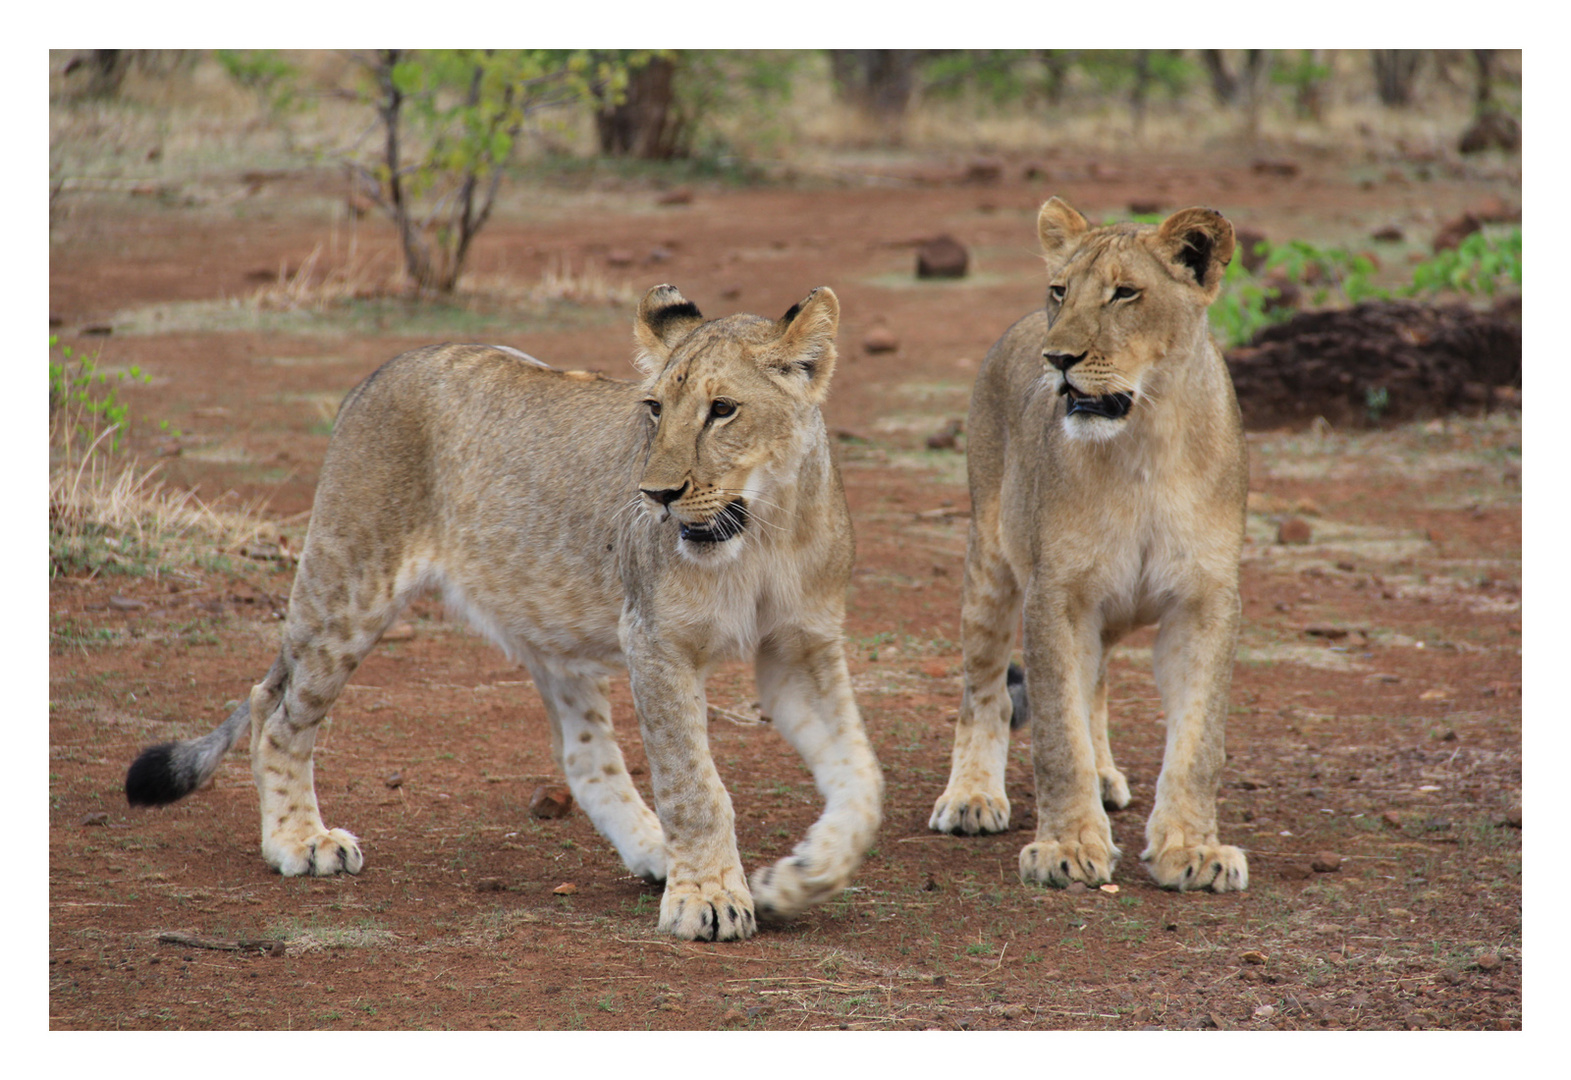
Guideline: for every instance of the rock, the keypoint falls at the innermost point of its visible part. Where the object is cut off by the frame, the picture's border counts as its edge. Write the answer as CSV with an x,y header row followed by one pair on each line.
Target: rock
x,y
1285,169
1295,872
880,339
1453,232
1294,530
1265,1012
1330,633
733,1016
550,801
490,884
1110,889
1014,1012
1253,956
680,196
942,257
1391,234
1326,862
1077,887
1493,130
1145,206
567,888
1488,961
984,171
1392,818
947,438
395,779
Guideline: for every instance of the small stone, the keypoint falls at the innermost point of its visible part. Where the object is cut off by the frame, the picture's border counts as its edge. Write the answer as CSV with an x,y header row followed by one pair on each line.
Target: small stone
x,y
1392,818
1389,234
1014,1012
1326,862
1488,961
490,884
567,888
984,171
1077,887
550,802
1294,530
1265,1012
99,818
394,780
733,1016
948,438
1455,231
1111,890
1253,956
1295,872
880,339
942,257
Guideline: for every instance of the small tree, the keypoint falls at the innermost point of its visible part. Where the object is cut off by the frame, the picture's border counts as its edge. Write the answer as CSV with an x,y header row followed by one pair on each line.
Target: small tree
x,y
450,122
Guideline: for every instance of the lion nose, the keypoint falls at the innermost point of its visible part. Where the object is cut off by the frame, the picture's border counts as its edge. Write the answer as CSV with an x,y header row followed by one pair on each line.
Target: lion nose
x,y
665,496
1061,360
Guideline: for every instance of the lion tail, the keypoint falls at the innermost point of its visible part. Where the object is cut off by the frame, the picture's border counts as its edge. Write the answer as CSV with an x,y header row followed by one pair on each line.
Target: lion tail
x,y
1020,705
169,771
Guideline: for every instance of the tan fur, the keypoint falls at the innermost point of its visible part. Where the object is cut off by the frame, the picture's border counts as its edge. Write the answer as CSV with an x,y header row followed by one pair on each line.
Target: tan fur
x,y
1092,526
532,499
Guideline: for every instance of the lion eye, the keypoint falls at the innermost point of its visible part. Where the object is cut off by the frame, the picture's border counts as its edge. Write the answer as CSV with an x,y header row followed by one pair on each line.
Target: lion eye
x,y
654,408
722,409
1057,293
1124,292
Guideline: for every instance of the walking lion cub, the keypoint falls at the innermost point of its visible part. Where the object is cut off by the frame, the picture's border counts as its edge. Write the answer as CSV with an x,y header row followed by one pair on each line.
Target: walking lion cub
x,y
583,523
1108,480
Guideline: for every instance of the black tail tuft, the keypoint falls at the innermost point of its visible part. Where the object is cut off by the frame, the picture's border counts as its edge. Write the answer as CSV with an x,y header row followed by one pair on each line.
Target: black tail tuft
x,y
1015,681
157,777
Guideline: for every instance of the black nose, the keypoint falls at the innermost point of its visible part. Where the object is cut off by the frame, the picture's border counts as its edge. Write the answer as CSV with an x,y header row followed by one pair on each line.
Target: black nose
x,y
666,496
1061,360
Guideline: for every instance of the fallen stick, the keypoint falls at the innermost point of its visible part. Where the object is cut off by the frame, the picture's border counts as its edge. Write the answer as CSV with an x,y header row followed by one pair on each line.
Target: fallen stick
x,y
270,946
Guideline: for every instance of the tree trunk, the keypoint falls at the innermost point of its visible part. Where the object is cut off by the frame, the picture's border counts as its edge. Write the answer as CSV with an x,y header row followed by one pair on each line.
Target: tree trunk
x,y
1395,72
878,83
647,124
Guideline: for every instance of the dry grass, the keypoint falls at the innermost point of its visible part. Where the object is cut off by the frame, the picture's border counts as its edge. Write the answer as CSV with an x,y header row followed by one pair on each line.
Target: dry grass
x,y
110,513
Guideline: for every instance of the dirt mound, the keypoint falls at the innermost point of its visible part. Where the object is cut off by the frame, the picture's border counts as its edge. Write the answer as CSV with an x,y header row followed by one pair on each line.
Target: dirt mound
x,y
1380,362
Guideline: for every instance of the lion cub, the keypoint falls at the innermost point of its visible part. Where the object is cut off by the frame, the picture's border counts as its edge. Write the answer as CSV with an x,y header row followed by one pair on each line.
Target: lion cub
x,y
581,524
1108,479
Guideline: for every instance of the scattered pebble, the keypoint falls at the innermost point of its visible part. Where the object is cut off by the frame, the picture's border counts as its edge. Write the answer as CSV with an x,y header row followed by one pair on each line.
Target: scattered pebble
x,y
1392,818
1014,1012
880,339
567,888
1294,530
733,1016
1265,1012
1111,890
490,884
394,780
550,802
1326,862
1488,961
1253,956
1077,887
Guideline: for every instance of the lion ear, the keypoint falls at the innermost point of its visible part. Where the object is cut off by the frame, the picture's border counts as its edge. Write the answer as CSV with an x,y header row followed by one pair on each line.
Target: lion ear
x,y
1059,227
805,350
664,318
1198,243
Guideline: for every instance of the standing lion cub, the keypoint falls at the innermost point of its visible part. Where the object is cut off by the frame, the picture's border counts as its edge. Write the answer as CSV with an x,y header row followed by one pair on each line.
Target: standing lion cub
x,y
1108,480
583,523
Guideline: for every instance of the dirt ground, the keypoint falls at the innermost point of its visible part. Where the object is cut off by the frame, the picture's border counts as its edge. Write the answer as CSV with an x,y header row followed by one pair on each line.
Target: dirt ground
x,y
1375,741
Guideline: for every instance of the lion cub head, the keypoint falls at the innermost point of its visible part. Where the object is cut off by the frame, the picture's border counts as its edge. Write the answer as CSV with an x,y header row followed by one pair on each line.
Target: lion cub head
x,y
732,408
1122,300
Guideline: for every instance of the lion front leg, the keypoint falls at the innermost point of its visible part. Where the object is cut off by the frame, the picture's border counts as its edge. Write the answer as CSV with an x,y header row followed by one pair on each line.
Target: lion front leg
x,y
1193,661
1074,839
805,690
974,800
706,896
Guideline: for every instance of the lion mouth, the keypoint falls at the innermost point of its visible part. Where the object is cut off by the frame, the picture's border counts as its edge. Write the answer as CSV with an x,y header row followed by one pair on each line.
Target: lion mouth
x,y
729,522
1112,406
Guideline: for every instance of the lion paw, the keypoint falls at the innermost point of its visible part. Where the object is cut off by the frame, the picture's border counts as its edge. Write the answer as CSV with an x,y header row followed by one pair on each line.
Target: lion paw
x,y
707,911
970,812
789,888
1217,867
1057,863
1115,789
323,854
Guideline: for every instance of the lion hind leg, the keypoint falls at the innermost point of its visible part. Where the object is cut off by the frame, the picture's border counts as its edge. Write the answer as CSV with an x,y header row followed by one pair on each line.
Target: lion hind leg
x,y
805,690
585,747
